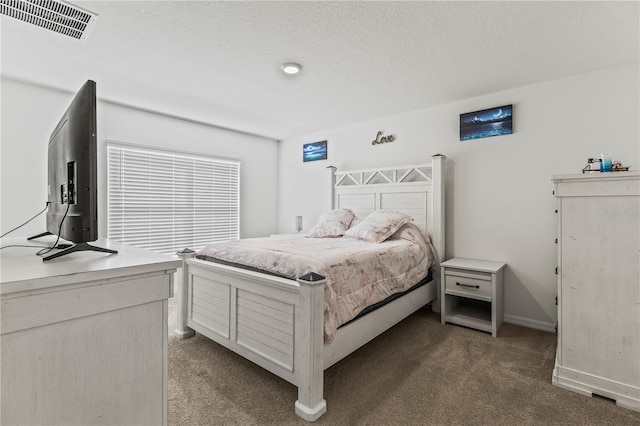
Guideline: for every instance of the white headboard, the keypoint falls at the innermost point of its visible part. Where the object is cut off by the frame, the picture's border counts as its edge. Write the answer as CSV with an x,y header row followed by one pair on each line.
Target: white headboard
x,y
416,190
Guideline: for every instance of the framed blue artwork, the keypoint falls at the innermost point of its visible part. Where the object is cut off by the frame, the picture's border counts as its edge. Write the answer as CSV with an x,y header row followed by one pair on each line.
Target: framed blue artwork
x,y
314,151
486,123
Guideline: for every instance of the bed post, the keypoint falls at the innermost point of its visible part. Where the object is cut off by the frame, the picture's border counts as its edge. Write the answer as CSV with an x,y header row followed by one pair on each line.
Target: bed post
x,y
182,331
438,231
438,203
332,170
309,338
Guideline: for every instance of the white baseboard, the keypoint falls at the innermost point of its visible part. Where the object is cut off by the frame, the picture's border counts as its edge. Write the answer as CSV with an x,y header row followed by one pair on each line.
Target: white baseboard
x,y
531,323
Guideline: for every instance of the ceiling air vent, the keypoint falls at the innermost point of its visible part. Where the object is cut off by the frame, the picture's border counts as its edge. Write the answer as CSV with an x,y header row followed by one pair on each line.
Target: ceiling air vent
x,y
54,15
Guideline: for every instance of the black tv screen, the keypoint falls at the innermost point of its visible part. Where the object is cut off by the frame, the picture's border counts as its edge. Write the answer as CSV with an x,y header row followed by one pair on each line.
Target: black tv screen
x,y
73,177
72,171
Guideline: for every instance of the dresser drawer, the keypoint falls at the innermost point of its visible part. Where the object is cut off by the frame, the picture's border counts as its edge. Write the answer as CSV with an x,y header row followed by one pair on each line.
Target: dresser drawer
x,y
476,286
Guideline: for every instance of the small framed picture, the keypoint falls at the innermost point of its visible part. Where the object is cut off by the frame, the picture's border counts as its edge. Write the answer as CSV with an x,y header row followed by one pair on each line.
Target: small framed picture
x,y
486,123
314,151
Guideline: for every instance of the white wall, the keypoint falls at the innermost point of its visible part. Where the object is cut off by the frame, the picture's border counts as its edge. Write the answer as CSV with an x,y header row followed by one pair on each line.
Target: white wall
x,y
499,195
29,114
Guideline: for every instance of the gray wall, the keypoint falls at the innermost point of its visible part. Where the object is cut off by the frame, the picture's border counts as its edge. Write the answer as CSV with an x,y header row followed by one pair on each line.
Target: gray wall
x,y
499,195
30,113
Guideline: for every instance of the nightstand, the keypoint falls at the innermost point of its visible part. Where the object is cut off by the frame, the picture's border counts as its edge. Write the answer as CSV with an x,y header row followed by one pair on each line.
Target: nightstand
x,y
472,294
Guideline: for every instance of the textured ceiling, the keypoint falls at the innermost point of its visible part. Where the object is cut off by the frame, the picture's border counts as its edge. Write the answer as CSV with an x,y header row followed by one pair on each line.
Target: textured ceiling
x,y
219,62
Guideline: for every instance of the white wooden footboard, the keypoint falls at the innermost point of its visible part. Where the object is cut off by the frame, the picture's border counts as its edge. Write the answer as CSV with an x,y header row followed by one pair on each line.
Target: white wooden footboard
x,y
274,322
279,323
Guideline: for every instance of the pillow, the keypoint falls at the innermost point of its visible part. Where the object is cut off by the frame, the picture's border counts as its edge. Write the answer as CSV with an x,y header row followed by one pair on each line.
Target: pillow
x,y
356,220
378,226
344,216
411,232
327,229
332,224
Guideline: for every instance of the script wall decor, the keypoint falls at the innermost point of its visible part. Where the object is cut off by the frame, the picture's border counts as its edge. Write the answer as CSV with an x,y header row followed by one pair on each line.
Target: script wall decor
x,y
382,139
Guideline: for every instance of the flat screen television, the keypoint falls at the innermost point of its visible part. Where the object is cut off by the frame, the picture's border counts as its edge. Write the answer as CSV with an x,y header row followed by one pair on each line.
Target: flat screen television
x,y
72,176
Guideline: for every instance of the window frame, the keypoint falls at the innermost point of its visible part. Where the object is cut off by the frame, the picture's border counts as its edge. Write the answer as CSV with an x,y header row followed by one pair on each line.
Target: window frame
x,y
169,170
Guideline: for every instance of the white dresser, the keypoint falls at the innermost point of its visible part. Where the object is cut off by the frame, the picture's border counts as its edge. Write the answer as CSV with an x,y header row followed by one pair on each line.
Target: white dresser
x,y
599,285
84,336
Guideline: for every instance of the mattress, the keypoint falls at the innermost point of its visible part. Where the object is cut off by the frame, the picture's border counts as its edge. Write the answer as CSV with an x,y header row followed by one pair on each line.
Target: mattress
x,y
359,273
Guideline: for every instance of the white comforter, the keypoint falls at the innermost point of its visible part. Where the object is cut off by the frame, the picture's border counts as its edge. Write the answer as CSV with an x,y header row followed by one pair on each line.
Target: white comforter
x,y
358,273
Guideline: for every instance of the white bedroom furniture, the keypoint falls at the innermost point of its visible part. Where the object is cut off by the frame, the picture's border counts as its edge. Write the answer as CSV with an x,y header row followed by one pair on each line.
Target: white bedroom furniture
x,y
473,294
84,337
599,285
214,296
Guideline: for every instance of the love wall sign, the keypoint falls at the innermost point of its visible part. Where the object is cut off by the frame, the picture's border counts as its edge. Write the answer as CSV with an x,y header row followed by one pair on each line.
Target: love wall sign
x,y
382,139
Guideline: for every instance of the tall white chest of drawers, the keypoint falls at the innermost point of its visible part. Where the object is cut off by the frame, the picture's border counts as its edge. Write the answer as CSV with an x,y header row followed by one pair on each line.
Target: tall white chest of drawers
x,y
599,285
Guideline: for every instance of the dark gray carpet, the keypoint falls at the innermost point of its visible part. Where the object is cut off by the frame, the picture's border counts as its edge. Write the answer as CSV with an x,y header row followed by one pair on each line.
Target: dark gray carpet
x,y
418,373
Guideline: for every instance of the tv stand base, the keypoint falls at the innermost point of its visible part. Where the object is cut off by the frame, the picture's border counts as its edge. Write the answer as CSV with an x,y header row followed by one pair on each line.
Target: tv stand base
x,y
44,234
79,247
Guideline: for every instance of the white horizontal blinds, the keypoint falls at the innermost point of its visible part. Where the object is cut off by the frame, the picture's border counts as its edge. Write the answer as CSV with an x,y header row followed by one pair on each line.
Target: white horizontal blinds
x,y
167,201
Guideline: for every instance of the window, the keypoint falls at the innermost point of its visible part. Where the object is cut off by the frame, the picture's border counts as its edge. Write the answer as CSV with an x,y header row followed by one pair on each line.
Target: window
x,y
167,201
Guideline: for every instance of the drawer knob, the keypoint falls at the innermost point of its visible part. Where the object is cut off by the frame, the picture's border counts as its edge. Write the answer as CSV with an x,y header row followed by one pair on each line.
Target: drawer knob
x,y
467,285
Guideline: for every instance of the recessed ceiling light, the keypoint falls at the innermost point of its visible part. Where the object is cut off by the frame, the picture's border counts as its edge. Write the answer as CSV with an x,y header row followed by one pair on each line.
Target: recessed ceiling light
x,y
291,68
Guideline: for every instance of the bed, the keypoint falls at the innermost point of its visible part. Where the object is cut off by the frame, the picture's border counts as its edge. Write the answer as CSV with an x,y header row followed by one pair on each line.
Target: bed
x,y
295,346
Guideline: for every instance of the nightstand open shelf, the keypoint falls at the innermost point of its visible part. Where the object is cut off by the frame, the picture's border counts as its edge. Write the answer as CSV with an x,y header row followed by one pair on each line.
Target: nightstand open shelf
x,y
472,294
476,315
